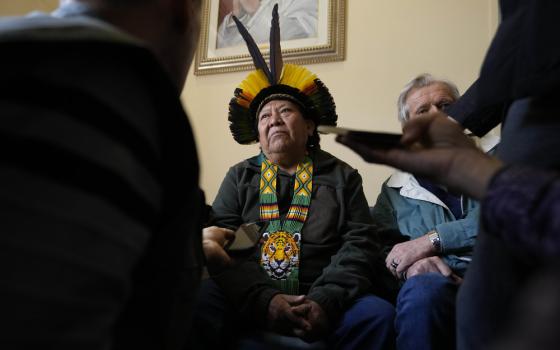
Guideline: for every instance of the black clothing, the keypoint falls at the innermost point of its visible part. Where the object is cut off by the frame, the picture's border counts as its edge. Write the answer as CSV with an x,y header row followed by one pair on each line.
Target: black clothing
x,y
100,209
520,75
523,60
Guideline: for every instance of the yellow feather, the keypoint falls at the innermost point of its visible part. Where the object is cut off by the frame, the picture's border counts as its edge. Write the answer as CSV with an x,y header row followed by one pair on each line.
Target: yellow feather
x,y
297,76
289,74
254,83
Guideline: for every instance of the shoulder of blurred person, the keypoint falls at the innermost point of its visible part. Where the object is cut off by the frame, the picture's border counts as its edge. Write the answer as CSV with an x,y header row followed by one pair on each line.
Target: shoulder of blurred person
x,y
105,149
520,62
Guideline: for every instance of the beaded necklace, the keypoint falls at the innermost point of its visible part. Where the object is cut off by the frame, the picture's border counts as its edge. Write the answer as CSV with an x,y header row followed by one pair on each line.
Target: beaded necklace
x,y
280,252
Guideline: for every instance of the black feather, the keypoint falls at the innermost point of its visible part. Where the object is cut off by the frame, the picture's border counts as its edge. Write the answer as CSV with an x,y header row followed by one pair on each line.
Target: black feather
x,y
275,49
258,58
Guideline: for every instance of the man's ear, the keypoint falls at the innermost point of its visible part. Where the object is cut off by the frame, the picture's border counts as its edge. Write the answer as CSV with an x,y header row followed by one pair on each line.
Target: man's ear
x,y
310,126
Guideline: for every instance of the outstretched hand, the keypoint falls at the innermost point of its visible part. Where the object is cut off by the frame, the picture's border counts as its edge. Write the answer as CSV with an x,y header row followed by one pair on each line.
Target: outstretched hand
x,y
213,240
437,148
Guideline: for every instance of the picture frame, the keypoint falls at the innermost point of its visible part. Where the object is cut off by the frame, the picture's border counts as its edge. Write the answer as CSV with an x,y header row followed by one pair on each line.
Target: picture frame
x,y
320,38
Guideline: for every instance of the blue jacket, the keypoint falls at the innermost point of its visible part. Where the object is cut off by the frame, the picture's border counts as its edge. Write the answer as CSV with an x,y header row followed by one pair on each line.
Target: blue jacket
x,y
405,205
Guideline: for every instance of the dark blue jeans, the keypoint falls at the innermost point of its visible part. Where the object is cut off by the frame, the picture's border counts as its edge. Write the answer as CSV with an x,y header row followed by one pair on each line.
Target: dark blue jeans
x,y
368,324
426,313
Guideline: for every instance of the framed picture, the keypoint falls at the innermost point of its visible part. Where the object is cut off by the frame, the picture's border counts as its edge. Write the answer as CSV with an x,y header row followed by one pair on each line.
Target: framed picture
x,y
311,31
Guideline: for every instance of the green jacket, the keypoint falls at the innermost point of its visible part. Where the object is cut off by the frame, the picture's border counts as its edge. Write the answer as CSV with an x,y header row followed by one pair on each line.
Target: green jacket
x,y
339,251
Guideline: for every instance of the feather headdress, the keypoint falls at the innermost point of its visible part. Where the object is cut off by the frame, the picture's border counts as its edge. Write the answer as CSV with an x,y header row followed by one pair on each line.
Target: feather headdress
x,y
278,81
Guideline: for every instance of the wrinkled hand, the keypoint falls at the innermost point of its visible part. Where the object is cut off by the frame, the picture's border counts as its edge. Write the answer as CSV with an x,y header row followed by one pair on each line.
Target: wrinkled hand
x,y
403,255
213,240
317,318
437,148
281,316
432,264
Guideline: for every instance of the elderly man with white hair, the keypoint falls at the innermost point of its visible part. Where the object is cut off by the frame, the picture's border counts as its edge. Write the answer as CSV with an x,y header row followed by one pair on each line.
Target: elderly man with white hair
x,y
441,227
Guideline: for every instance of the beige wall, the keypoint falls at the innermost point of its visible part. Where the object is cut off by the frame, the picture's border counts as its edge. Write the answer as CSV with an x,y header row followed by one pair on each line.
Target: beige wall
x,y
388,42
18,7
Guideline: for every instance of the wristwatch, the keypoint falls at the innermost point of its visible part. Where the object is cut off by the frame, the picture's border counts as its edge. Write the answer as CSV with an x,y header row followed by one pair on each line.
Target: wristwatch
x,y
433,236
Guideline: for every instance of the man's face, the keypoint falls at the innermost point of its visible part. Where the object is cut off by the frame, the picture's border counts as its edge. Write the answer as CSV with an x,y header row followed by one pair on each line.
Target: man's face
x,y
428,99
282,128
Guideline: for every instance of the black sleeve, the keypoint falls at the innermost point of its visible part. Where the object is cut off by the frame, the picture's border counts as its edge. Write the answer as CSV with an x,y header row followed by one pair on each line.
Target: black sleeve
x,y
479,119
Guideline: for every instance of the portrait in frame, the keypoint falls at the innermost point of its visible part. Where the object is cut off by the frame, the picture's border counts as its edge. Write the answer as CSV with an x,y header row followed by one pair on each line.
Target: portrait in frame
x,y
311,31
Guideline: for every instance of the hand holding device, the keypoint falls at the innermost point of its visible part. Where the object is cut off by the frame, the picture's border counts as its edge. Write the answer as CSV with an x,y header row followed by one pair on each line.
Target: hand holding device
x,y
376,140
246,237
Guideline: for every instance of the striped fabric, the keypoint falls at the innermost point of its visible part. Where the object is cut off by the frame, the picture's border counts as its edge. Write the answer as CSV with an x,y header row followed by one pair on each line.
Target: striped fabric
x,y
97,163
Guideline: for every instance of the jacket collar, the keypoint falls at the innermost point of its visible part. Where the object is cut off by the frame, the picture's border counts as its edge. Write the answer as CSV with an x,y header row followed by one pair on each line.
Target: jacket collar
x,y
410,188
321,160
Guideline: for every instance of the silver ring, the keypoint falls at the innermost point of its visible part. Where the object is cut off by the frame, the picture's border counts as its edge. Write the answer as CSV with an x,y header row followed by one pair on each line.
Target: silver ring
x,y
394,264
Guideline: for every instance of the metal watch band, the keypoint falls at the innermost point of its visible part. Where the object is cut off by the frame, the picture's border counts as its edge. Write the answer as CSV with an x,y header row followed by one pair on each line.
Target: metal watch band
x,y
435,240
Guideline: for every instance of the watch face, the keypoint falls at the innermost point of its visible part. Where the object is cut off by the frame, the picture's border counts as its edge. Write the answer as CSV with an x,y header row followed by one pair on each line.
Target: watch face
x,y
434,239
